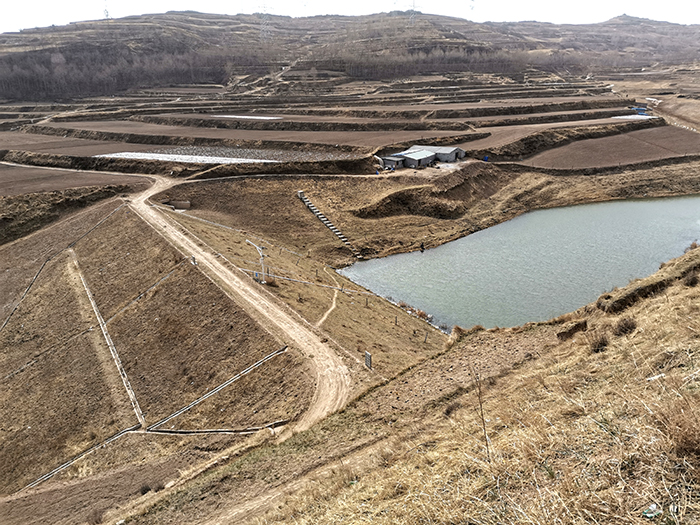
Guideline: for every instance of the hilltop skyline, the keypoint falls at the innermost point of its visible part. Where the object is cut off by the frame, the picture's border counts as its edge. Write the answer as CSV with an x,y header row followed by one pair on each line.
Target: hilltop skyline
x,y
20,16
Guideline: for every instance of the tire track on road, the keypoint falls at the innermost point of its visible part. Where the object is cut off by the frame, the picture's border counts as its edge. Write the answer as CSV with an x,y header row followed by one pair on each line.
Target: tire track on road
x,y
333,378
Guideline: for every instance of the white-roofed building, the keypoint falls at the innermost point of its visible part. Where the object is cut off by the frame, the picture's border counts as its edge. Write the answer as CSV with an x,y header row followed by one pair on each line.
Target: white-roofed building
x,y
417,158
443,153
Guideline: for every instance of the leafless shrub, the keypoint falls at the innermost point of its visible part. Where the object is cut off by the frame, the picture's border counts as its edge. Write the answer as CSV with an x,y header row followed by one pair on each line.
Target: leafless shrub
x,y
452,408
598,342
691,279
95,517
692,246
625,326
422,315
145,489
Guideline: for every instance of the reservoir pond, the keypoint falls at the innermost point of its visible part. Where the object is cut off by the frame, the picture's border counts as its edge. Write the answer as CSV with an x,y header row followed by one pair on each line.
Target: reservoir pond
x,y
537,266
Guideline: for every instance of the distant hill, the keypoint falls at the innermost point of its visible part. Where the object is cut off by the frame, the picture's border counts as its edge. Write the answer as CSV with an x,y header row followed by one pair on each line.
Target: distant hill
x,y
109,56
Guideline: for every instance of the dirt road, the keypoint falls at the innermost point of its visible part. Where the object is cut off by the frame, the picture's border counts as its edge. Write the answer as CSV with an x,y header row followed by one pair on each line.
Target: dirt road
x,y
332,377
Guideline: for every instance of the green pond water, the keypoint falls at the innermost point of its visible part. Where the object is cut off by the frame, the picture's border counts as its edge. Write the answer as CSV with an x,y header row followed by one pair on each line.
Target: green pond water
x,y
536,266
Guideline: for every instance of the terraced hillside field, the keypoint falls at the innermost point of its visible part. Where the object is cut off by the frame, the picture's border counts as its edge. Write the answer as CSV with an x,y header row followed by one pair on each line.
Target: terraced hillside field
x,y
131,320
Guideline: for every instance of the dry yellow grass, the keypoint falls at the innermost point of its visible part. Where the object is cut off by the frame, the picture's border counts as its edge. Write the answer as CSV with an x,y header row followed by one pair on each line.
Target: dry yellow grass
x,y
352,318
574,437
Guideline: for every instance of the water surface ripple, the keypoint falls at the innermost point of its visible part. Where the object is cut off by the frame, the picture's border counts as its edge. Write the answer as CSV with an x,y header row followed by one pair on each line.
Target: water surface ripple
x,y
539,265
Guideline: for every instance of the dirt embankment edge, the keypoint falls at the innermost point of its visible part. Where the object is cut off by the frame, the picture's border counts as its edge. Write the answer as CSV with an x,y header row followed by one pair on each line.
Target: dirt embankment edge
x,y
176,140
176,169
21,215
552,138
291,125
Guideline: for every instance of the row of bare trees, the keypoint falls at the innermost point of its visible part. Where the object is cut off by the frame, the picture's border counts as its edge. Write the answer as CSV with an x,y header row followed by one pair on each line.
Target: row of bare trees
x,y
87,70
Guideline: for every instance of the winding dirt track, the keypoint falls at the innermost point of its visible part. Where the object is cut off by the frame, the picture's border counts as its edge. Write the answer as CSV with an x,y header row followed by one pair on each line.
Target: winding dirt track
x,y
332,377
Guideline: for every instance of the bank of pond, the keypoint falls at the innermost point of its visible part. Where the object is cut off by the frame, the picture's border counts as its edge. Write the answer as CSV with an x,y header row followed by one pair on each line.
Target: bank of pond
x,y
539,265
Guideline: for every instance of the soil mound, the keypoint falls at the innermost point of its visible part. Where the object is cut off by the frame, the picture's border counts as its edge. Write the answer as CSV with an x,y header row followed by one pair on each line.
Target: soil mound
x,y
446,198
21,215
684,267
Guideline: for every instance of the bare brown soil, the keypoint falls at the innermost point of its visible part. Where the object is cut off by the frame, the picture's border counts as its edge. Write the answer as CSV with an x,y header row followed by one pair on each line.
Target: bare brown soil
x,y
298,123
23,258
503,135
636,146
53,359
473,109
21,215
551,138
57,144
358,139
19,180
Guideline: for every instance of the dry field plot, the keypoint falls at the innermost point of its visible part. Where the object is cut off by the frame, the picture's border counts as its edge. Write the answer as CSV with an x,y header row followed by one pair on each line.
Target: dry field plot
x,y
363,139
503,135
51,313
60,390
277,391
19,180
61,146
122,259
184,338
635,146
418,104
20,260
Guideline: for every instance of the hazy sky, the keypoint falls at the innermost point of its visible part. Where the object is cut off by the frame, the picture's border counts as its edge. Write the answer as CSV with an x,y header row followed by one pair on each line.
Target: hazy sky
x,y
16,15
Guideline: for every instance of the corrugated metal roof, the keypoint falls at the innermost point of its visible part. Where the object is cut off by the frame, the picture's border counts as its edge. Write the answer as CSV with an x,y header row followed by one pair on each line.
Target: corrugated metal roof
x,y
416,155
435,149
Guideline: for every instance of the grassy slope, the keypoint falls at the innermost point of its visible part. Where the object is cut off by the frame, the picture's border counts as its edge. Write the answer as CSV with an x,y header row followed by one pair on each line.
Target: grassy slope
x,y
53,359
574,436
566,384
357,323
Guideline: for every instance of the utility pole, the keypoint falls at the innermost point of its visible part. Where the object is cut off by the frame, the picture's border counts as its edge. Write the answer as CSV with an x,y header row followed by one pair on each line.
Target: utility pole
x,y
262,259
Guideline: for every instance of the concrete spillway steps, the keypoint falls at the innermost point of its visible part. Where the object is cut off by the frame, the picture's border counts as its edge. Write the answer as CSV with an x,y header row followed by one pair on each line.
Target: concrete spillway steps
x,y
328,224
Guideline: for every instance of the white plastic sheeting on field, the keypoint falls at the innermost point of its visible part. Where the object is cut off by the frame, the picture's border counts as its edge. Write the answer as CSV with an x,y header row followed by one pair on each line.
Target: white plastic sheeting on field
x,y
199,159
